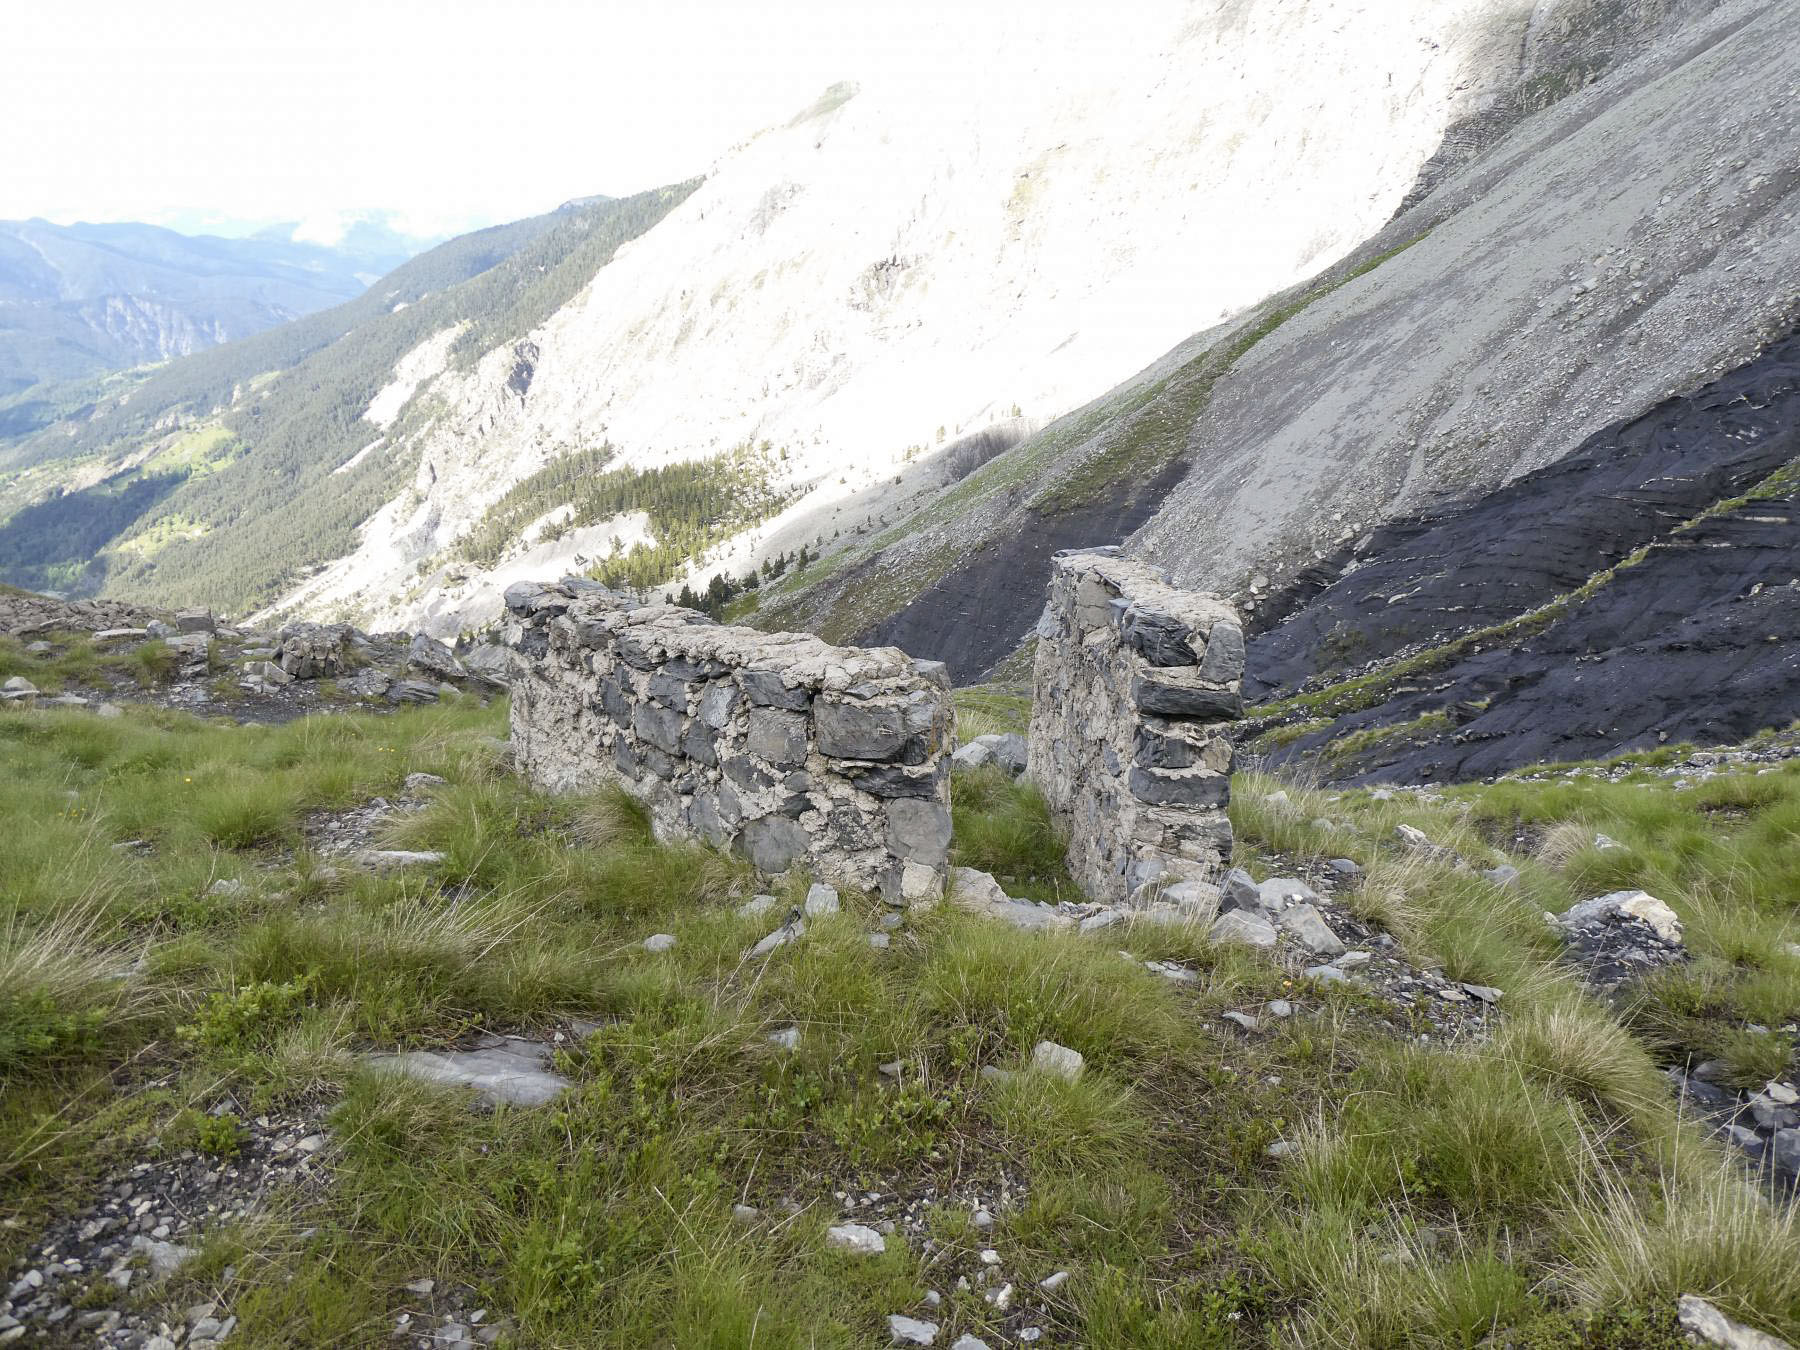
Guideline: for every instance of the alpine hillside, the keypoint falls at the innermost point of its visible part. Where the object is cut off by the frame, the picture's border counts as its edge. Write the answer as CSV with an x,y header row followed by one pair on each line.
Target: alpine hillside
x,y
849,295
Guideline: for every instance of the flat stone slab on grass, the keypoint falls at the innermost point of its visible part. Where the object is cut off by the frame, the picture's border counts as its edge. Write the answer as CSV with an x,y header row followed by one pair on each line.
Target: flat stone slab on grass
x,y
855,1237
1058,1060
977,892
911,1331
392,859
504,1069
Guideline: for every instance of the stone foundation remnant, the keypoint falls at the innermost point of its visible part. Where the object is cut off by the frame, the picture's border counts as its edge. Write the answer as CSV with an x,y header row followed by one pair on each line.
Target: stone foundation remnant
x,y
780,746
1137,684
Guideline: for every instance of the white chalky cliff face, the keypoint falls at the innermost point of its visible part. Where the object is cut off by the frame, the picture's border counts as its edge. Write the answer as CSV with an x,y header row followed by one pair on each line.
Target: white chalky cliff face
x,y
911,261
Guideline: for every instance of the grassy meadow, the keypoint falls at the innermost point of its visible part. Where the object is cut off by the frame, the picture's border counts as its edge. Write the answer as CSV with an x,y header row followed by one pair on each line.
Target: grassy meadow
x,y
1535,1188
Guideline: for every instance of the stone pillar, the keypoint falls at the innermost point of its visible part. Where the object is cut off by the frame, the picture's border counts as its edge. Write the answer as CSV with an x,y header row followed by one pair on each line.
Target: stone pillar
x,y
1137,685
779,746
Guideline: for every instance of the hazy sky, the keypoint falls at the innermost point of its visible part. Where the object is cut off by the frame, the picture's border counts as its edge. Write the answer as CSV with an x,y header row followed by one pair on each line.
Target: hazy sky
x,y
454,112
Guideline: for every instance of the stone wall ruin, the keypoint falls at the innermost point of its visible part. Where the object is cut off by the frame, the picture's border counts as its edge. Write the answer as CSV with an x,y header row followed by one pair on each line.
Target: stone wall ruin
x,y
1136,683
787,750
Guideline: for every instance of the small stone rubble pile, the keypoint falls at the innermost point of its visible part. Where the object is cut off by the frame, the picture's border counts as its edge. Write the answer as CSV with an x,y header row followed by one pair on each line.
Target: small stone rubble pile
x,y
26,615
1762,1123
792,752
83,1283
1299,922
1619,937
355,832
447,1318
1136,685
1022,1301
396,667
1765,754
252,675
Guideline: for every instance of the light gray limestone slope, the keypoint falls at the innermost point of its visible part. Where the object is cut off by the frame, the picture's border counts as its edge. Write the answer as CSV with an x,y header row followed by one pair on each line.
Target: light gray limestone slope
x,y
923,259
1633,240
1639,238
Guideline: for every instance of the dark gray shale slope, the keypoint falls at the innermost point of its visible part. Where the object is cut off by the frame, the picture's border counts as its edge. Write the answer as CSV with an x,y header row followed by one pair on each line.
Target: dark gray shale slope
x,y
1638,239
1653,583
1420,582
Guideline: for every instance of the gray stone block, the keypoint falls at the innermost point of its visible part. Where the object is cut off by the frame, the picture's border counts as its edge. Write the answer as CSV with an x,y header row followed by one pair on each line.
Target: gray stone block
x,y
918,831
719,704
859,730
672,691
704,819
744,772
778,737
772,843
766,689
615,702
658,726
1224,659
935,673
1161,639
897,780
1194,701
697,743
1192,787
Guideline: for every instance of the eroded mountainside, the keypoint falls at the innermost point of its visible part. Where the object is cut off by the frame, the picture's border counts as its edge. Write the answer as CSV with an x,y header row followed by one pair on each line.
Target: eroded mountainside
x,y
850,344
897,270
1634,241
1644,590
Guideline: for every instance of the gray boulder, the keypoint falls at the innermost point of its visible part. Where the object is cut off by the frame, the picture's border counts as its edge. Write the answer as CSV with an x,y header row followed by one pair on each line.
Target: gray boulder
x,y
1057,1060
491,664
503,1069
1308,925
1237,925
971,756
1238,891
1010,751
1277,893
1706,1323
911,1331
855,1237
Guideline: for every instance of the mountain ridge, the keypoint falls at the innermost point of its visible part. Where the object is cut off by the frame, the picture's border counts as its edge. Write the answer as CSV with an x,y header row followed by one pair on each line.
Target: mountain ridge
x,y
82,299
